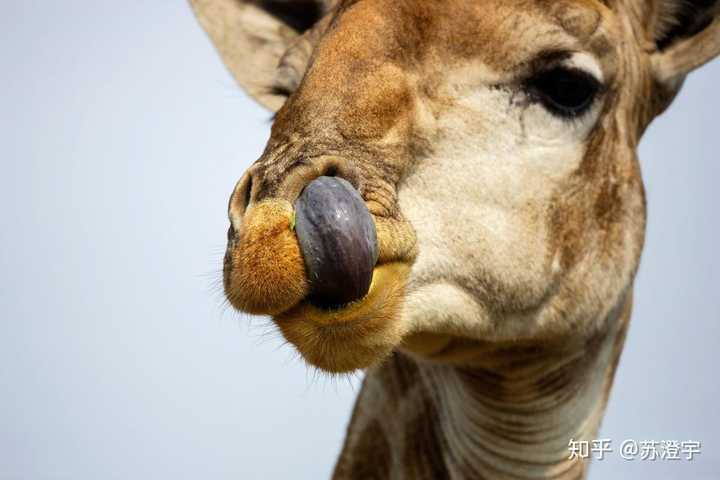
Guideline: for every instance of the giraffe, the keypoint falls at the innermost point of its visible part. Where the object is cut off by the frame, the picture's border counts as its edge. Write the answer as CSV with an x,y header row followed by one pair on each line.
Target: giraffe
x,y
494,145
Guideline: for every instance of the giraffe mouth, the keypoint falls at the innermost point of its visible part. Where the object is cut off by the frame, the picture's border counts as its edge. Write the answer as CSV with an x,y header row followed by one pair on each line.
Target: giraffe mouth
x,y
355,336
265,273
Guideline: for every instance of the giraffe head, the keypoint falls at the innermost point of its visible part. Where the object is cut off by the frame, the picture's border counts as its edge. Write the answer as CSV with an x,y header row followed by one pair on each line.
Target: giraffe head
x,y
492,141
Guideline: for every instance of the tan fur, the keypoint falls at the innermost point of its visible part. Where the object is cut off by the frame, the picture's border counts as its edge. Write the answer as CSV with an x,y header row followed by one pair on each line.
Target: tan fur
x,y
265,272
508,238
362,333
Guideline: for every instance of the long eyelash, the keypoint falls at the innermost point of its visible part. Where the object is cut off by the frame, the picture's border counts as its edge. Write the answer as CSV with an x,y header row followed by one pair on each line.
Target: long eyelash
x,y
547,60
597,84
550,59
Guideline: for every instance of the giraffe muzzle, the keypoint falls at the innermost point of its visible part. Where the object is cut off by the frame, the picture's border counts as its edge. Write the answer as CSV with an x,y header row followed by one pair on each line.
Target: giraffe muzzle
x,y
325,262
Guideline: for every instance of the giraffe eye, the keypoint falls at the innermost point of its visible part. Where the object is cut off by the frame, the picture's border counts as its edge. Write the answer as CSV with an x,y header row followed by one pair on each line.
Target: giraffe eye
x,y
565,92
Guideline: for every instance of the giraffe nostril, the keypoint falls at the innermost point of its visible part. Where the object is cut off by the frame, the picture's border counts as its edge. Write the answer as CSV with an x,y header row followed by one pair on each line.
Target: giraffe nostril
x,y
248,191
338,241
240,199
332,171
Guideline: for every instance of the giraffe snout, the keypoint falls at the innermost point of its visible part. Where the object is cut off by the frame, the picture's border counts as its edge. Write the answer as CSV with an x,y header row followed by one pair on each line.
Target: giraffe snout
x,y
263,271
323,247
329,264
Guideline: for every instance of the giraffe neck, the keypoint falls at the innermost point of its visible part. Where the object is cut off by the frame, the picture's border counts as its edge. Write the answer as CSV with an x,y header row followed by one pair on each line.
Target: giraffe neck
x,y
508,413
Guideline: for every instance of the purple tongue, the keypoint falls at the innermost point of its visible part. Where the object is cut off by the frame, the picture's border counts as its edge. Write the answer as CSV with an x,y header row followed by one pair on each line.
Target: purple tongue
x,y
338,241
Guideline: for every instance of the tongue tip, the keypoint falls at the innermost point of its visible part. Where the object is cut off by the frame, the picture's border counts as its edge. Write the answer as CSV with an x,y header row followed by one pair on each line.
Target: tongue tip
x,y
338,240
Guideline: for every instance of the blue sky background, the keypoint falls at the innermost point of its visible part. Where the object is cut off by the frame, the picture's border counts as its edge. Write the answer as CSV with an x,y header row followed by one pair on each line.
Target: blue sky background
x,y
122,136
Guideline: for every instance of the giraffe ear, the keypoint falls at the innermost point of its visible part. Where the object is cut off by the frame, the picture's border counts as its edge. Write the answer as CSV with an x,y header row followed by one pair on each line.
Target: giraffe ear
x,y
252,36
687,35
